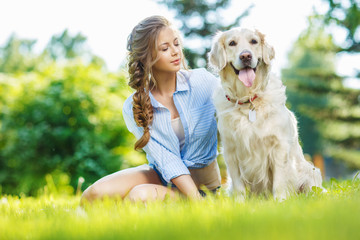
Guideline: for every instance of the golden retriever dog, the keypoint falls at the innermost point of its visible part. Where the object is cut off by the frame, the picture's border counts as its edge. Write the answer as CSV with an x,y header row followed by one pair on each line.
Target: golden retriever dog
x,y
259,134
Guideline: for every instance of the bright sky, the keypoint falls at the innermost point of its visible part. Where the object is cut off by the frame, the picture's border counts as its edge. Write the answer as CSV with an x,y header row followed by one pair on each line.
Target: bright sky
x,y
107,23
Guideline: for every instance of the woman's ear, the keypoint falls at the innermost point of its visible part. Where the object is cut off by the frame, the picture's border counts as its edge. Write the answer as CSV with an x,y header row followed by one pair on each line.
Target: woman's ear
x,y
268,52
217,55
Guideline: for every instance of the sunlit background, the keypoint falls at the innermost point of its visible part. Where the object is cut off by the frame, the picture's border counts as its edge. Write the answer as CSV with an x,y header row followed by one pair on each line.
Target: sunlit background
x,y
106,24
61,97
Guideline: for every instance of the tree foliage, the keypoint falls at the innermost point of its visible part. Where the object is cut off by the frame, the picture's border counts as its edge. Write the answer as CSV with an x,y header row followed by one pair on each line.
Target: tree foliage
x,y
17,56
200,21
60,119
346,14
328,112
66,46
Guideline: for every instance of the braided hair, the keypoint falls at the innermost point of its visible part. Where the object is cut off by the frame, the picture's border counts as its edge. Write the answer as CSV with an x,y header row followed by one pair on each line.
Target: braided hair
x,y
141,45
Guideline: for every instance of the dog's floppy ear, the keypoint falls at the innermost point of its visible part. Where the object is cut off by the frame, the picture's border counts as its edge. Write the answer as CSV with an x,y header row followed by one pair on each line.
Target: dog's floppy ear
x,y
268,52
217,55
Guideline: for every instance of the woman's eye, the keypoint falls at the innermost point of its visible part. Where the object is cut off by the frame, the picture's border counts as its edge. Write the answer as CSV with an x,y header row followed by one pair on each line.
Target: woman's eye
x,y
232,43
164,50
253,41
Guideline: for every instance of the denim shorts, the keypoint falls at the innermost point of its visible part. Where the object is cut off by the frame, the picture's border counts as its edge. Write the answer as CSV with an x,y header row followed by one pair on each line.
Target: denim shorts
x,y
162,179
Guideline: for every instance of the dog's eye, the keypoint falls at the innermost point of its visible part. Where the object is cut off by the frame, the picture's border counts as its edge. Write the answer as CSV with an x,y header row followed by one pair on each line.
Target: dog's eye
x,y
232,43
253,41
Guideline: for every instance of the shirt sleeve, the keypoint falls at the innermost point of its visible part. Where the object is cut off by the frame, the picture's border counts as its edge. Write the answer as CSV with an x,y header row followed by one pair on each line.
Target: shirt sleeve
x,y
167,163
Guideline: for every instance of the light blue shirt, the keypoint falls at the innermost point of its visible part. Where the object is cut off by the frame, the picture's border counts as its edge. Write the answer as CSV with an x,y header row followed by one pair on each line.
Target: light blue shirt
x,y
193,100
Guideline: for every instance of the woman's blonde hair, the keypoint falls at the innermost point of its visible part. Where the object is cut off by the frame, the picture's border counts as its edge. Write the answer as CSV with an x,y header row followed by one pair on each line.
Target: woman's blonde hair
x,y
142,47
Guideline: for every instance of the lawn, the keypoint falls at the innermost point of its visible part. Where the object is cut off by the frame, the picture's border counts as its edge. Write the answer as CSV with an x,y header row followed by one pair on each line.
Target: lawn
x,y
331,215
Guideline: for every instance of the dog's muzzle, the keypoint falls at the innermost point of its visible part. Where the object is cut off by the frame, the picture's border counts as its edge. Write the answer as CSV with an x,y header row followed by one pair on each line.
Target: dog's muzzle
x,y
245,58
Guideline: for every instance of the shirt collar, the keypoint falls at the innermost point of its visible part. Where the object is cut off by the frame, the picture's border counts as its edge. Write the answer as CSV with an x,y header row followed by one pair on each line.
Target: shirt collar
x,y
182,84
154,103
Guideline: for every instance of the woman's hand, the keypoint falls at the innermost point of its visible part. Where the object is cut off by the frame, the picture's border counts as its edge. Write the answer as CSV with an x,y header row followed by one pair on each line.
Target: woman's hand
x,y
187,186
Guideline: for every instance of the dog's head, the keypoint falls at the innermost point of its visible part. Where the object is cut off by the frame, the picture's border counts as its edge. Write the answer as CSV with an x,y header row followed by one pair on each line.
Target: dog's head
x,y
242,52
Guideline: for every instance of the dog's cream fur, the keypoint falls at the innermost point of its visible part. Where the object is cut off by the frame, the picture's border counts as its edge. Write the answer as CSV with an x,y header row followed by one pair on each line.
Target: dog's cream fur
x,y
265,155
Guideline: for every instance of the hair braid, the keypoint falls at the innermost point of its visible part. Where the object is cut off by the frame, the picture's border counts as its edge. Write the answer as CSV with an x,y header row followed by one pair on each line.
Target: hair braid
x,y
142,108
141,45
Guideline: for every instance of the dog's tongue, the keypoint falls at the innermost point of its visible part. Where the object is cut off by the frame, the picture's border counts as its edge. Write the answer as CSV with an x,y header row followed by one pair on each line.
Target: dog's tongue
x,y
247,76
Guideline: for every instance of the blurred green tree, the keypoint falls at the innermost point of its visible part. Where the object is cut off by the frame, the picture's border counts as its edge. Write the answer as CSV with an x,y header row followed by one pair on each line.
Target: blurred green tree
x,y
200,21
17,56
328,112
60,119
66,46
346,14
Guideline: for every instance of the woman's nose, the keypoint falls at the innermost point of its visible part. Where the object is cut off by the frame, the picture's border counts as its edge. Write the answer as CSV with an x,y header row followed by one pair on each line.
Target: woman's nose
x,y
175,50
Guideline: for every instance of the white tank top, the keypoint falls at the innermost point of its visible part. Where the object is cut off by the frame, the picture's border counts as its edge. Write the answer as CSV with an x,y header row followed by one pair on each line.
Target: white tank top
x,y
179,130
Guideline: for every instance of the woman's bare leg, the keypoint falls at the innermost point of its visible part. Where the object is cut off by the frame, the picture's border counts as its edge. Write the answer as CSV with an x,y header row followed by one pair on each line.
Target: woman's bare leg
x,y
120,183
151,192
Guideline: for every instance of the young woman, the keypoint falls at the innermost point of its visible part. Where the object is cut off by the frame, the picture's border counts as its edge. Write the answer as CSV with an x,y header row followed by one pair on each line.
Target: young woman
x,y
172,116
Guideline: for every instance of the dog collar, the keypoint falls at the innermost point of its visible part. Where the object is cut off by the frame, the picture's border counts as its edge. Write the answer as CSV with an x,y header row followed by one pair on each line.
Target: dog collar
x,y
241,103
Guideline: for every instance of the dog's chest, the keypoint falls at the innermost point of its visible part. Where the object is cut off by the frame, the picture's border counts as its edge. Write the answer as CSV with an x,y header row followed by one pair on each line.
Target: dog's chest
x,y
246,120
247,142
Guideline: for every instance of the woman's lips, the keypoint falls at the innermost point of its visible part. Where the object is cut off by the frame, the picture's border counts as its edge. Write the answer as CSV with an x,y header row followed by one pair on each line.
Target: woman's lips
x,y
176,62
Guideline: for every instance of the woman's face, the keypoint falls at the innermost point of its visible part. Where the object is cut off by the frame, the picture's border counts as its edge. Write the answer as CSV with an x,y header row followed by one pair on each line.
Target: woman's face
x,y
168,52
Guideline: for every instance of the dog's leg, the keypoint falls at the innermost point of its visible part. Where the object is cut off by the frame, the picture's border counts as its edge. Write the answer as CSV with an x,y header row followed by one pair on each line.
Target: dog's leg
x,y
283,174
280,191
308,174
237,186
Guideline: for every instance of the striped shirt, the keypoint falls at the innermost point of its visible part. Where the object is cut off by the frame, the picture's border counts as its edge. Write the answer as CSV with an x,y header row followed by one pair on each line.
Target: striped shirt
x,y
193,100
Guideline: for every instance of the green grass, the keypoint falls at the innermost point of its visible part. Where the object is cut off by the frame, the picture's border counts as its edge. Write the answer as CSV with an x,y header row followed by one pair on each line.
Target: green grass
x,y
331,215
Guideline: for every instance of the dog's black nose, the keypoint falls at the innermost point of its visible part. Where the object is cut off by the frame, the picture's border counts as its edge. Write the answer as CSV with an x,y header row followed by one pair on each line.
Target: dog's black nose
x,y
246,57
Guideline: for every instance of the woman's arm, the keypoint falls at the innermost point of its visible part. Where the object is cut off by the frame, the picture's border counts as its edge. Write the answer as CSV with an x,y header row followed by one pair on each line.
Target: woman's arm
x,y
187,186
170,166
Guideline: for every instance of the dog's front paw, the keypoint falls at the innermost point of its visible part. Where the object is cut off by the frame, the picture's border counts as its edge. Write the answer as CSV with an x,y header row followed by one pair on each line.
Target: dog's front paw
x,y
238,195
240,198
280,196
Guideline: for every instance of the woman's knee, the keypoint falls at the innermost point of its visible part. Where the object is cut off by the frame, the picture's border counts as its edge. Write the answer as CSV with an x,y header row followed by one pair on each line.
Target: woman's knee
x,y
139,193
149,192
92,193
